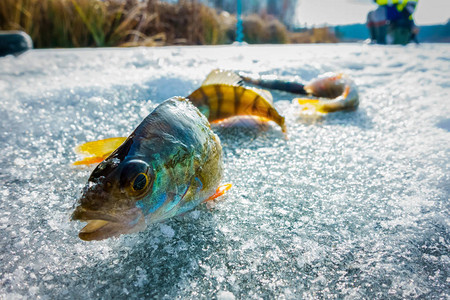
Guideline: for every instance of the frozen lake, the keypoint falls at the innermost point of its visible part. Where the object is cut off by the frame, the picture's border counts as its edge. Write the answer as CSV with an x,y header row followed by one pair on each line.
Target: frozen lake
x,y
354,205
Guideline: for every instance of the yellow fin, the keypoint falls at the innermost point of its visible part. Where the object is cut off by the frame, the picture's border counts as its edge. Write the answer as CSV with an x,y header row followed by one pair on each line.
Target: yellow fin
x,y
219,76
312,105
90,160
98,150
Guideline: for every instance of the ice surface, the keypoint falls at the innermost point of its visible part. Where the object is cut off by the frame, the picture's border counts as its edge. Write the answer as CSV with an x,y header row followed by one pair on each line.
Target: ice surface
x,y
354,205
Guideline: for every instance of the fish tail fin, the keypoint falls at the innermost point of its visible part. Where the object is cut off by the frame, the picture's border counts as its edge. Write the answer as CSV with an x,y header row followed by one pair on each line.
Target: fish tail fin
x,y
311,105
98,150
221,190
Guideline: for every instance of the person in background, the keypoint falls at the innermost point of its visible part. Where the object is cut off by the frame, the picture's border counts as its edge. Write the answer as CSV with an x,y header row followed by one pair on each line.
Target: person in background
x,y
407,13
377,24
392,22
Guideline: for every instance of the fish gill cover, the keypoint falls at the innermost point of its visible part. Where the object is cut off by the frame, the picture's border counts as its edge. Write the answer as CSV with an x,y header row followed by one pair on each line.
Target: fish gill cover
x,y
352,205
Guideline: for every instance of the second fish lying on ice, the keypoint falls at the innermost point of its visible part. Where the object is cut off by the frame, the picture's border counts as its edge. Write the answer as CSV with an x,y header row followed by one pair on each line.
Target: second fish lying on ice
x,y
329,92
222,96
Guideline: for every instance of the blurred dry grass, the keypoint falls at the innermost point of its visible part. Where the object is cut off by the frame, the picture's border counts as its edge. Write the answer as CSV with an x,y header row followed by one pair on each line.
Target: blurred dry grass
x,y
264,29
90,23
314,35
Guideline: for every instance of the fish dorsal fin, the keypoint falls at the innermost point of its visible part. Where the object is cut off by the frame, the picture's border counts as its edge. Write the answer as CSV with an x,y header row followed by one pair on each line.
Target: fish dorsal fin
x,y
219,76
265,94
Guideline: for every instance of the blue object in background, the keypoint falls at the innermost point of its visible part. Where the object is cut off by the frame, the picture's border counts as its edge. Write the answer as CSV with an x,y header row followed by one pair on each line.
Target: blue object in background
x,y
392,13
239,29
14,42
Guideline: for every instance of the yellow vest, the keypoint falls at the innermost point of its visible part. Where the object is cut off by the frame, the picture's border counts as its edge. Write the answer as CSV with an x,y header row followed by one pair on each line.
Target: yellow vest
x,y
388,2
400,3
403,3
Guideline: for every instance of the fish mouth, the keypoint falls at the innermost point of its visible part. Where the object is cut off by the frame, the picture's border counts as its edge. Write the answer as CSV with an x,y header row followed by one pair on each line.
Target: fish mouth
x,y
102,225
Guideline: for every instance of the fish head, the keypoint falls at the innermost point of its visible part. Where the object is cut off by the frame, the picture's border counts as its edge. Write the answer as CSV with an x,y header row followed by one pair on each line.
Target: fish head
x,y
109,203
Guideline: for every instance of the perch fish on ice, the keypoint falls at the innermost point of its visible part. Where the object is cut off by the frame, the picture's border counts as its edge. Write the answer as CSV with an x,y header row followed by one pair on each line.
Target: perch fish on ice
x,y
169,164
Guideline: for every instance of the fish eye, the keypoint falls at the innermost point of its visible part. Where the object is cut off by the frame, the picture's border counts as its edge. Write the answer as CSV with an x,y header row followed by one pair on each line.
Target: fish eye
x,y
136,177
140,182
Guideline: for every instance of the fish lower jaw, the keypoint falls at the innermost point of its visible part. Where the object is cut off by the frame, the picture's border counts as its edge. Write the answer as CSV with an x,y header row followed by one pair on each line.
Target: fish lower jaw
x,y
93,226
98,228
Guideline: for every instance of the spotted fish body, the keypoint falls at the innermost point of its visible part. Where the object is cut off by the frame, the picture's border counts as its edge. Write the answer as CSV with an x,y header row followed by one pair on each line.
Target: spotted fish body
x,y
167,166
222,96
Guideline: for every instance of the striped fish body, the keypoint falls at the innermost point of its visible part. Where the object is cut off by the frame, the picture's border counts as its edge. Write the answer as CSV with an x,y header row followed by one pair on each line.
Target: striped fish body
x,y
221,101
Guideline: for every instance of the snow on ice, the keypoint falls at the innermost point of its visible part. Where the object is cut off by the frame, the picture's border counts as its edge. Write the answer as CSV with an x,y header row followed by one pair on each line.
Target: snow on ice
x,y
353,205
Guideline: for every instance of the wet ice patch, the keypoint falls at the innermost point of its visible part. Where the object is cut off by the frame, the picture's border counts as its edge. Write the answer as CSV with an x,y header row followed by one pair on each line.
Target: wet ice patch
x,y
444,124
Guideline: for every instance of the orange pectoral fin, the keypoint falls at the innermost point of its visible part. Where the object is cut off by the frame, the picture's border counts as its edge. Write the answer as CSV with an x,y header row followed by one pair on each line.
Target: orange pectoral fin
x,y
99,150
221,190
